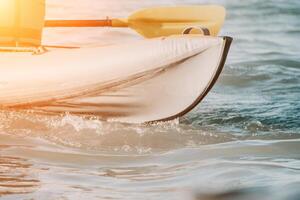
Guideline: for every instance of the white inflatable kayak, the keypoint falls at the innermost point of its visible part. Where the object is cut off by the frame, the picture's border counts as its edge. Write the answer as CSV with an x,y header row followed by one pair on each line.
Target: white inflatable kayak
x,y
148,80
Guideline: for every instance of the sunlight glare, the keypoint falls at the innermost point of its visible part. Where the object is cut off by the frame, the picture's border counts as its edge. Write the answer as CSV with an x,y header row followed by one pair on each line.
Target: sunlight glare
x,y
6,12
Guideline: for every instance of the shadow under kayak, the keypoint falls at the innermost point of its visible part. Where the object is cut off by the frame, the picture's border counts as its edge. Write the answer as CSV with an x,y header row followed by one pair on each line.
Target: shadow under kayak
x,y
144,81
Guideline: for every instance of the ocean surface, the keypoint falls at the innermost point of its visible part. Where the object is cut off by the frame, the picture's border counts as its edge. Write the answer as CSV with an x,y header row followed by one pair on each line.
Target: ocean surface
x,y
241,142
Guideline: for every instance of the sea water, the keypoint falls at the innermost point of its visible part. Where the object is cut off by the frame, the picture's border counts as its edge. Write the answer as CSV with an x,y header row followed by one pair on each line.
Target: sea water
x,y
241,142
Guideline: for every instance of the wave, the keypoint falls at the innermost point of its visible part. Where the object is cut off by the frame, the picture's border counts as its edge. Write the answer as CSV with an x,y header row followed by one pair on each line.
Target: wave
x,y
287,63
93,134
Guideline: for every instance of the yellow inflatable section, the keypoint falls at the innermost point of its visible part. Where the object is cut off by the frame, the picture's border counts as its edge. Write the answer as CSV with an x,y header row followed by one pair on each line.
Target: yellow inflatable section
x,y
21,22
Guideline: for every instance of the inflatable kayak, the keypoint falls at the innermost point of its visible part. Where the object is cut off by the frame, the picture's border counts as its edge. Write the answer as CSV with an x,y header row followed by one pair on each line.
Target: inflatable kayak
x,y
143,81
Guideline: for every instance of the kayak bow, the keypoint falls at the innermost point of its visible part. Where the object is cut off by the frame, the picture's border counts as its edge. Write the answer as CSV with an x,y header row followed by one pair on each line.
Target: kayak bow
x,y
148,80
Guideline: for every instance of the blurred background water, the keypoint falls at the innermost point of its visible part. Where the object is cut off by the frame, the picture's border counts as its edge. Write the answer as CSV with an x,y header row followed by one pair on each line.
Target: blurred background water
x,y
241,142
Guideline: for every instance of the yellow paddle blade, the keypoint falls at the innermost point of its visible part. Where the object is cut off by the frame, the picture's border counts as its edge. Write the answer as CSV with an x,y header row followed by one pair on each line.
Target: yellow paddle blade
x,y
164,21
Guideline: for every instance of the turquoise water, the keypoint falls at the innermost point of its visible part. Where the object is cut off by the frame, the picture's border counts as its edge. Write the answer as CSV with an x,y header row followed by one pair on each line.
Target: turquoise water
x,y
241,142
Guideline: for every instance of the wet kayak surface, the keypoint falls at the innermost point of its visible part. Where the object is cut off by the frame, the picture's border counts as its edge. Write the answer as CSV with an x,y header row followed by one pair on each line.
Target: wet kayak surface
x,y
241,142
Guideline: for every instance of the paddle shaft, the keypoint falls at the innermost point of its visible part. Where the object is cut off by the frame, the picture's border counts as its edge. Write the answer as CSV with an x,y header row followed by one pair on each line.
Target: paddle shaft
x,y
86,23
78,23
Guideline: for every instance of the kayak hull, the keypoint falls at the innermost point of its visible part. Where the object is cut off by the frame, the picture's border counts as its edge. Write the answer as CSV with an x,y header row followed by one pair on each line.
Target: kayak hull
x,y
150,80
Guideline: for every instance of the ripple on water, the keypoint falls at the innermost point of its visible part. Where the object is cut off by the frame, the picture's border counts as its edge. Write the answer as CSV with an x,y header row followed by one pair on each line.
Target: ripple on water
x,y
16,176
